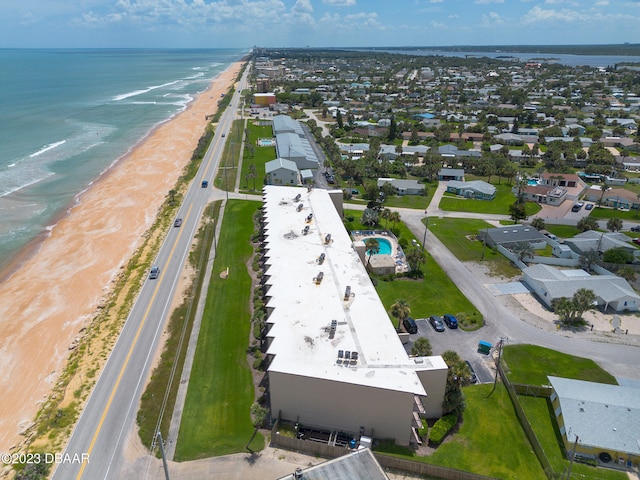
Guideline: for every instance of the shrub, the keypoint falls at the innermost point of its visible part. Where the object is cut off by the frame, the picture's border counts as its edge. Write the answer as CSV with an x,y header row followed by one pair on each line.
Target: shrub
x,y
441,428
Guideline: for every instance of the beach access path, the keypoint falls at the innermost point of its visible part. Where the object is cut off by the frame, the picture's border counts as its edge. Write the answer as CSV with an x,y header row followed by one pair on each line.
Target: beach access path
x,y
46,303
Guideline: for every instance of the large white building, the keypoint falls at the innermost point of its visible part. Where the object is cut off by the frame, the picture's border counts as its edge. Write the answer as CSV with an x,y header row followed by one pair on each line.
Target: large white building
x,y
335,359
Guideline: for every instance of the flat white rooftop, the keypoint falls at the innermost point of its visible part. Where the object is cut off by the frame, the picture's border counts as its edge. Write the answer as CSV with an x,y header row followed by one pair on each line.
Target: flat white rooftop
x,y
304,308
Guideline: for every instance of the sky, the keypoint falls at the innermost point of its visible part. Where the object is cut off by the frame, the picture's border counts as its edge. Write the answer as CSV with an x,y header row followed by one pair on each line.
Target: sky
x,y
314,23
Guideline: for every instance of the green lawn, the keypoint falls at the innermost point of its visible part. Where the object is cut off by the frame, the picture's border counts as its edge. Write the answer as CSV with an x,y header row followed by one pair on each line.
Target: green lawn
x,y
216,418
602,213
499,205
256,155
458,234
435,294
530,364
490,440
562,231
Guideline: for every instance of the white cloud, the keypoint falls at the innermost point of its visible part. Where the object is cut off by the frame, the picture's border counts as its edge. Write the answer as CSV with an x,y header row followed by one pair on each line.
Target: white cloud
x,y
340,3
492,18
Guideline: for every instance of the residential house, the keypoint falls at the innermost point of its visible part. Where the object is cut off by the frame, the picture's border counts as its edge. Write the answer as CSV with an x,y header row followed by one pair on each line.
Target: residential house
x,y
445,174
550,283
509,235
598,422
619,198
282,172
600,242
474,189
403,187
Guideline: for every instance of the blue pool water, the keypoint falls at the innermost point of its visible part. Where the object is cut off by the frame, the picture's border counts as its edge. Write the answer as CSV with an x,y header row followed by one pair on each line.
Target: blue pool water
x,y
532,182
385,246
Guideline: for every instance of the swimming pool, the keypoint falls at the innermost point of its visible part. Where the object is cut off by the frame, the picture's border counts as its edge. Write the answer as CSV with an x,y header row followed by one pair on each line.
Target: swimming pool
x,y
385,245
532,182
266,142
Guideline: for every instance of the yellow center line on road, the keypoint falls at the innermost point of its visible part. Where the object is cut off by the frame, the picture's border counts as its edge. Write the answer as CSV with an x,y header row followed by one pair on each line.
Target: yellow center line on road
x,y
126,362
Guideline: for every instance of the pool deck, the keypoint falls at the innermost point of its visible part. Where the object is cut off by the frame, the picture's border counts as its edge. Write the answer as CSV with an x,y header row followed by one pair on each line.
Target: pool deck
x,y
396,251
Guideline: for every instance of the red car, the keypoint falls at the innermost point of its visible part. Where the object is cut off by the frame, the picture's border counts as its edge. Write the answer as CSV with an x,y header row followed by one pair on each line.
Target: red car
x,y
636,240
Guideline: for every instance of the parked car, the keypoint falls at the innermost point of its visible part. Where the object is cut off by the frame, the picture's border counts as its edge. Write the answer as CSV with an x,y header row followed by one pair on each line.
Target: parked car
x,y
590,207
410,325
437,323
178,222
636,241
473,378
154,273
577,207
635,228
450,321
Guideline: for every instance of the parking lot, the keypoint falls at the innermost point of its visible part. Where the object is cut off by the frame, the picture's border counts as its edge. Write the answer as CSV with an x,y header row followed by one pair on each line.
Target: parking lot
x,y
464,343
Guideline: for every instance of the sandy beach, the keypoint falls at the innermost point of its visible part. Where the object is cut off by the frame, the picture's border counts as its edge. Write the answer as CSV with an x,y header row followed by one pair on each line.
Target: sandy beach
x,y
55,293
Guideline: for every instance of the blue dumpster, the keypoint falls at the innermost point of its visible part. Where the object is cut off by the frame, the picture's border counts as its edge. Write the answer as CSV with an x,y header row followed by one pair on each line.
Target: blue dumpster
x,y
484,347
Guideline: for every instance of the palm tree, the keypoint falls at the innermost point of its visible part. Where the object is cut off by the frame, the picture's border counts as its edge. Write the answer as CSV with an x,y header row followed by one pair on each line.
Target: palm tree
x,y
385,214
401,310
604,189
627,272
372,247
523,250
538,223
614,224
421,347
394,217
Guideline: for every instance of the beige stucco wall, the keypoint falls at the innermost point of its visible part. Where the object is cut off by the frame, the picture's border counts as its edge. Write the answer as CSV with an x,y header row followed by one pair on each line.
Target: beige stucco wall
x,y
434,383
342,406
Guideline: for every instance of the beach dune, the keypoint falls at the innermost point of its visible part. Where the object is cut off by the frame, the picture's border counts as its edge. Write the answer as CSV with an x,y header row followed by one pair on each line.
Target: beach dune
x,y
56,292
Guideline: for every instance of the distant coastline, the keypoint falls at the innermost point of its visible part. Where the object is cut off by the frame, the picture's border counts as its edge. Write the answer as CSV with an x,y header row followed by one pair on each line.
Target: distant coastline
x,y
623,49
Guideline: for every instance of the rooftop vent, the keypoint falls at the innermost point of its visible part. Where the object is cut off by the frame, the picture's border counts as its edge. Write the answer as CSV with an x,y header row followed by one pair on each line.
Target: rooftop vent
x,y
305,231
300,207
340,353
309,217
327,238
297,199
297,474
354,356
318,278
321,259
347,355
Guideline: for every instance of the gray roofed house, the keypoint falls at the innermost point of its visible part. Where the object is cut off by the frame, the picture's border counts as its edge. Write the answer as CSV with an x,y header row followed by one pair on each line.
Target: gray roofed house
x,y
596,418
293,147
550,283
358,465
451,174
600,241
282,172
509,139
403,187
510,234
474,189
285,124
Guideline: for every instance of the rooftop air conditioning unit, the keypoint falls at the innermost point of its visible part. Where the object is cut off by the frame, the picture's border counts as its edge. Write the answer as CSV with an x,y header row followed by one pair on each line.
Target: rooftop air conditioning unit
x,y
327,238
305,230
309,217
347,293
321,259
318,278
300,207
297,199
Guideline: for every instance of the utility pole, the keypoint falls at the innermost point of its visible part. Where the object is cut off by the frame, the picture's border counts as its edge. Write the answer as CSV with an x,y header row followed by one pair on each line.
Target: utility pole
x,y
426,227
495,380
164,458
573,454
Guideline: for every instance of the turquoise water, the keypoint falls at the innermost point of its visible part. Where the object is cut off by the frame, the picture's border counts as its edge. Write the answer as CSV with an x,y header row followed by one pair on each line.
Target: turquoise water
x,y
68,115
385,246
532,182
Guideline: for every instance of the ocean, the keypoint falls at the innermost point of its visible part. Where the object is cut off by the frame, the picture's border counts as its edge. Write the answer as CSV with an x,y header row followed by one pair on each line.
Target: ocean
x,y
68,115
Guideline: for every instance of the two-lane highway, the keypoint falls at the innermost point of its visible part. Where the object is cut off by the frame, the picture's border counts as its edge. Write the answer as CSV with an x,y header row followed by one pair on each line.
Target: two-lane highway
x,y
110,412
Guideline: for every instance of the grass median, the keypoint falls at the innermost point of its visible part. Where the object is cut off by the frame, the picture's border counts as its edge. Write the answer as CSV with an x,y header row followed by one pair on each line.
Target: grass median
x,y
216,419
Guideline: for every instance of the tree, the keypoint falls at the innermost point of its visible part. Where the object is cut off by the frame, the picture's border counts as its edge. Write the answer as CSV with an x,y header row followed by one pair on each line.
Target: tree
x,y
628,273
394,217
588,258
587,223
373,247
518,211
604,189
524,250
339,119
369,217
453,398
614,224
258,415
385,214
400,310
571,310
421,347
617,255
416,257
538,223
